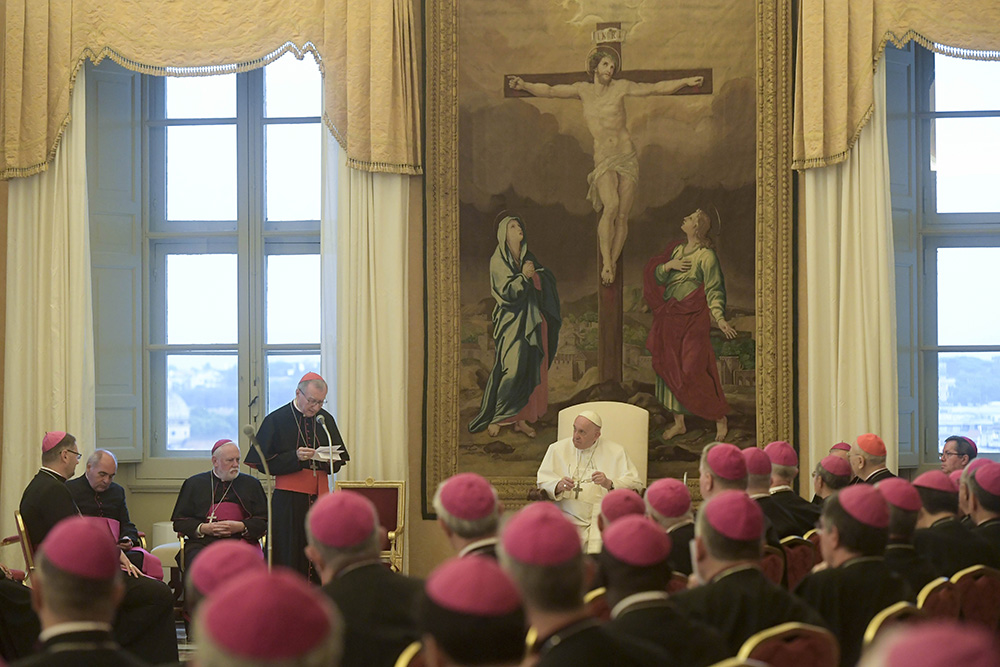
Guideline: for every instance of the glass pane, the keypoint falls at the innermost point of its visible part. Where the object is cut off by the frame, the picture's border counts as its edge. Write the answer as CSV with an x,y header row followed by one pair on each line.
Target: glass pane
x,y
969,398
965,85
201,299
202,402
968,308
201,96
283,374
201,172
293,293
967,171
292,88
293,171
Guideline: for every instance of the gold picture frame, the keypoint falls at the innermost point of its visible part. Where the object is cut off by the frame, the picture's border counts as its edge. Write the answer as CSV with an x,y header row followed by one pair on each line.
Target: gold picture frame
x,y
774,253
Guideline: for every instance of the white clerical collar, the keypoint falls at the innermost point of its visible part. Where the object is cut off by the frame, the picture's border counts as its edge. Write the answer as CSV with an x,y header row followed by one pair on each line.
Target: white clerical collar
x,y
679,525
56,473
73,626
755,496
478,544
645,596
779,488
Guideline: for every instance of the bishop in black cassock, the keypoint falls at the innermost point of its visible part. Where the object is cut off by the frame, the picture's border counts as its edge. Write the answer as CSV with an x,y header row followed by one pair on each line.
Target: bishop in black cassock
x,y
289,437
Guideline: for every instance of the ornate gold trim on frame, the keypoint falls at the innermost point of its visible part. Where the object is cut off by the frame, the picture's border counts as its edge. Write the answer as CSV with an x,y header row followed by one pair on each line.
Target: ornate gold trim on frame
x,y
774,251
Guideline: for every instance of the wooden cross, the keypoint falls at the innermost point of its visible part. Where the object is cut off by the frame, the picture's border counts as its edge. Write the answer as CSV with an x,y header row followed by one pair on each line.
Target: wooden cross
x,y
610,317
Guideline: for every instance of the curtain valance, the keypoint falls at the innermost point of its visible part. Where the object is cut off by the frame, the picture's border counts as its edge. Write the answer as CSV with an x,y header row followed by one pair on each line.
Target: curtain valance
x,y
367,49
839,43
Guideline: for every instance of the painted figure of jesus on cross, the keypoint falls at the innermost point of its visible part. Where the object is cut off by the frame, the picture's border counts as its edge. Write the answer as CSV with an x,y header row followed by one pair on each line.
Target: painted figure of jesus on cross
x,y
615,177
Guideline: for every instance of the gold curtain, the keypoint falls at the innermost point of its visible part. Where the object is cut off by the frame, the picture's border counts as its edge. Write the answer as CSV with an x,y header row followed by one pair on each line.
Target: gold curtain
x,y
367,49
839,43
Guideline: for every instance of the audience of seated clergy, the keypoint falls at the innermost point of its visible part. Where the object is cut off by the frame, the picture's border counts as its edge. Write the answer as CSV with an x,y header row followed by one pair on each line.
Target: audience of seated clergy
x,y
265,619
668,503
540,549
731,594
97,494
470,613
939,537
983,489
856,583
219,504
468,510
832,473
218,563
936,643
957,453
802,514
723,468
617,504
342,530
145,621
76,589
635,563
867,459
900,555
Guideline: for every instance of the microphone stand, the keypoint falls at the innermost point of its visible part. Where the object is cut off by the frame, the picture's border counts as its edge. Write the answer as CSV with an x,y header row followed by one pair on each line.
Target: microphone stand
x,y
332,479
249,433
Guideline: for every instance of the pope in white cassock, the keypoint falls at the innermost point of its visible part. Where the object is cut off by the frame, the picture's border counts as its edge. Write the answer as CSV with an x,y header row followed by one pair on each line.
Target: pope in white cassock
x,y
579,471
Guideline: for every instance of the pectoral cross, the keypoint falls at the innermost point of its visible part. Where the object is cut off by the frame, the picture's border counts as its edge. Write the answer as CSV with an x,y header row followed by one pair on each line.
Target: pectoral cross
x,y
610,317
577,489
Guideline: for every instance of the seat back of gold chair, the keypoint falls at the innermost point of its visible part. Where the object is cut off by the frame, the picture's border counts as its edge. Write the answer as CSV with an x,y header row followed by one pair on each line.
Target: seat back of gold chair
x,y
792,645
894,614
940,599
389,499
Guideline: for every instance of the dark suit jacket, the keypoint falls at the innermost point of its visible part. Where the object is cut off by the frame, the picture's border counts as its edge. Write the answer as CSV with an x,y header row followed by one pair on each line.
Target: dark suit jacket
x,y
110,504
659,622
586,643
903,559
802,514
378,609
878,476
950,547
89,649
741,602
989,530
849,596
45,502
680,554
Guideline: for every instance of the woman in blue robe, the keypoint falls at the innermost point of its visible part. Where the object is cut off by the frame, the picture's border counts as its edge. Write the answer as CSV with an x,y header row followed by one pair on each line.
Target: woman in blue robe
x,y
526,325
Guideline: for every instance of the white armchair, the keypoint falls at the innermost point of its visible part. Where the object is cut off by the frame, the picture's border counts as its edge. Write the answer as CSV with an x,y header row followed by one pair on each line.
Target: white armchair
x,y
624,423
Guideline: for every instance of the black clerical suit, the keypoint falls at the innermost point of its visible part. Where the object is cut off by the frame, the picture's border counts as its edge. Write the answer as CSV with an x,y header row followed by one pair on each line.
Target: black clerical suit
x,y
680,553
280,435
144,624
652,617
377,605
849,596
989,530
740,602
81,648
902,558
801,514
587,644
201,492
484,547
108,504
877,476
951,547
19,625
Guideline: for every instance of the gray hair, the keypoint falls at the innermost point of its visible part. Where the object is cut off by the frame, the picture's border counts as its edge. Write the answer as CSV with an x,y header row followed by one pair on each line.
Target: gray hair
x,y
95,458
468,528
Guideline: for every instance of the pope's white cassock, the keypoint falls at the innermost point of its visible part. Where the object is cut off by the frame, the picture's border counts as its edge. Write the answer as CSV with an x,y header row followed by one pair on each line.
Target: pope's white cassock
x,y
563,459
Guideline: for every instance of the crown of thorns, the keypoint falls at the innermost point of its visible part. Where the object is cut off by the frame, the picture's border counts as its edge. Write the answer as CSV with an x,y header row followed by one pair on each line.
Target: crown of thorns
x,y
598,53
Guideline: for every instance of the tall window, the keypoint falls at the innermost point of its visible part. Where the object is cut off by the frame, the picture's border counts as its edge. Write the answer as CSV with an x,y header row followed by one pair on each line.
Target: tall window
x,y
230,250
956,238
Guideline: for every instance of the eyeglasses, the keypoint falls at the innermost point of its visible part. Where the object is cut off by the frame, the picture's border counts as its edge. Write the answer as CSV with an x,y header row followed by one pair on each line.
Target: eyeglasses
x,y
311,401
945,455
73,451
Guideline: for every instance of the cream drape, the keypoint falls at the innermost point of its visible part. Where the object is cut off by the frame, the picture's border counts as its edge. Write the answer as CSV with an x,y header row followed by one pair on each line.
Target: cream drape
x,y
370,253
840,40
49,344
850,321
368,50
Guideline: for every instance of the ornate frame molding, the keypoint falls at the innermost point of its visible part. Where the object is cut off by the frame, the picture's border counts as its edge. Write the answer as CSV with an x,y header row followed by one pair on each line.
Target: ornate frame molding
x,y
774,250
